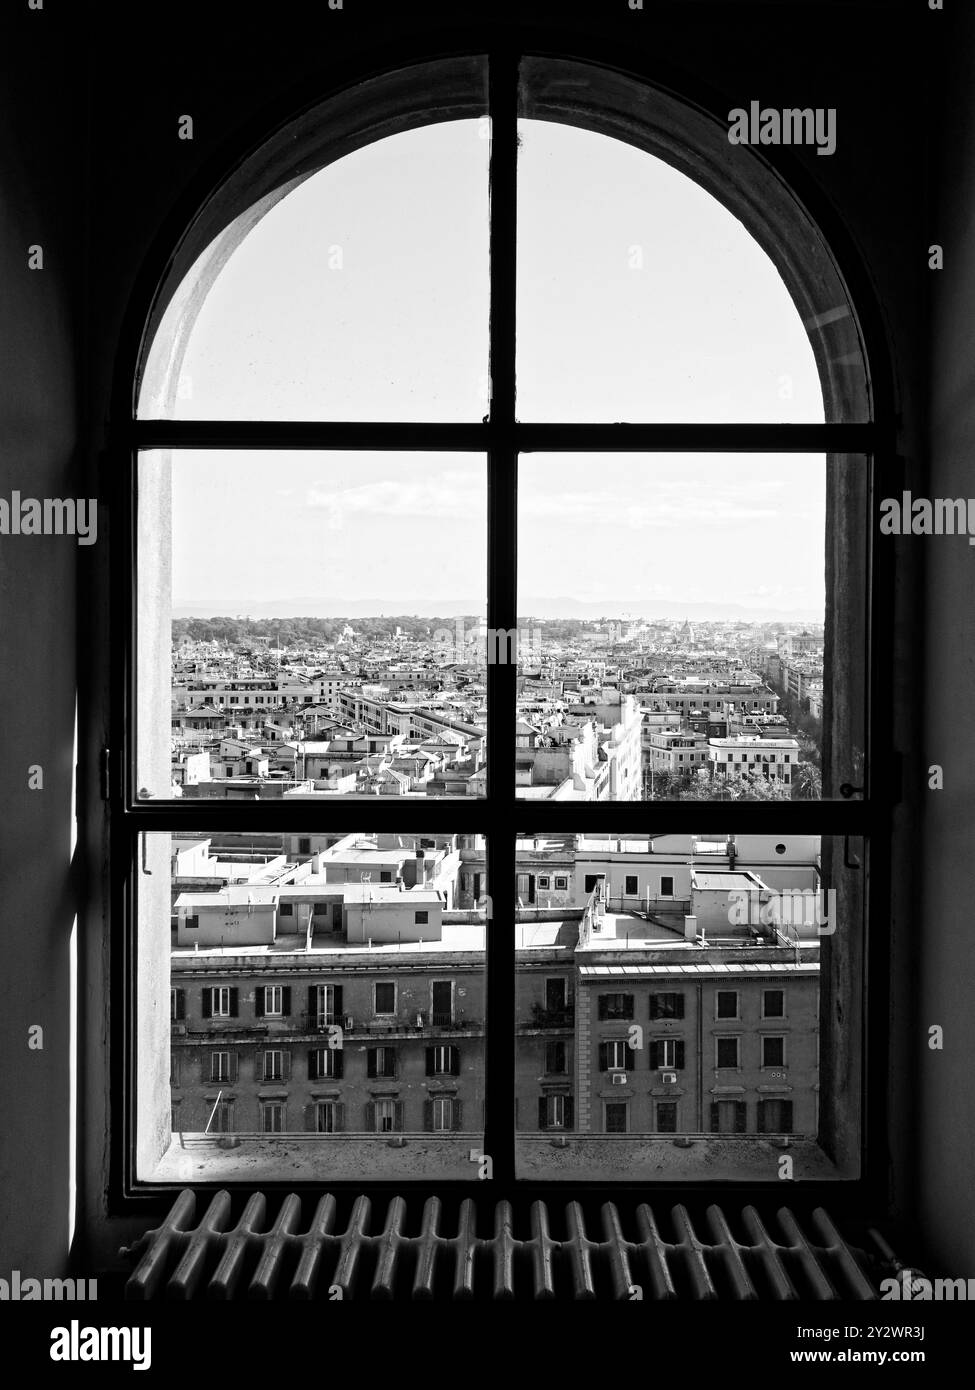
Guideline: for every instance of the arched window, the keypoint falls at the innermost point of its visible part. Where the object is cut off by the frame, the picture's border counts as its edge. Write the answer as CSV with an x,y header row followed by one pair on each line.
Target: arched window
x,y
530,350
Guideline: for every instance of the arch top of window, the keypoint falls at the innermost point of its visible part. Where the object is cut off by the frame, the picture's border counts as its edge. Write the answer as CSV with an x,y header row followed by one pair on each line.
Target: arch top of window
x,y
598,99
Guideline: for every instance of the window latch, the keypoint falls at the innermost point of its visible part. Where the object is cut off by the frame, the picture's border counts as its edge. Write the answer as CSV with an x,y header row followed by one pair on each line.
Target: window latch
x,y
847,790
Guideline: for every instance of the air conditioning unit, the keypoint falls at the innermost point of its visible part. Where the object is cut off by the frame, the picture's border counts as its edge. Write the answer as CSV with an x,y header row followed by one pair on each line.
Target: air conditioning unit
x,y
619,1078
669,1077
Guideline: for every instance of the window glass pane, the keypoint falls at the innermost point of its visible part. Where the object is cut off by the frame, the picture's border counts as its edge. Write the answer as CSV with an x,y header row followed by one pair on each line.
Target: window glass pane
x,y
642,298
378,1025
699,663
361,295
662,1030
301,634
666,274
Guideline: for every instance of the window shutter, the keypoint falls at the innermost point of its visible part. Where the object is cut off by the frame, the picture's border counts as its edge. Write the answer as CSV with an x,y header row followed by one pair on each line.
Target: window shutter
x,y
656,1055
741,1116
602,1006
654,1007
311,1118
234,1067
259,1066
603,1056
286,1065
679,1055
371,1063
312,1064
542,1113
337,996
312,1001
338,1112
370,1113
787,1117
457,1114
430,1061
454,1061
629,1060
259,1000
286,1000
234,996
181,1003
714,1117
207,1002
398,1116
338,1061
428,1116
569,1112
679,1010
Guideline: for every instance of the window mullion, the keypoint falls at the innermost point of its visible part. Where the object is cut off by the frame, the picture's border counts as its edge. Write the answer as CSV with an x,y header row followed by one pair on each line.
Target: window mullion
x,y
502,615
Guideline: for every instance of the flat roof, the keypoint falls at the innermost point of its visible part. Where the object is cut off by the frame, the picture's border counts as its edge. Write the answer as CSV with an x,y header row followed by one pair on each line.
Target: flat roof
x,y
264,895
726,881
715,968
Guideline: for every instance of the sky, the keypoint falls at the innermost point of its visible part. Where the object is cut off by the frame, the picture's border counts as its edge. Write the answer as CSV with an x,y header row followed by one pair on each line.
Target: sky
x,y
364,295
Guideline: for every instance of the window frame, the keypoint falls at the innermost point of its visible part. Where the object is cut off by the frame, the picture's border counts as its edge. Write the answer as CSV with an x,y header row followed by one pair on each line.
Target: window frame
x,y
866,812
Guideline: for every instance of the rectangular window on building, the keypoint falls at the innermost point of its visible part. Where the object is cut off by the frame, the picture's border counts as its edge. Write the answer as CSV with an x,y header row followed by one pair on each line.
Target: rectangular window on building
x,y
220,1001
220,1066
616,1055
561,883
384,998
177,1005
274,1065
631,885
325,1063
381,1062
556,994
773,1051
443,1116
555,1064
616,1117
670,1005
615,1006
221,1115
726,1052
272,1117
326,1115
726,1003
667,886
667,1054
666,1116
387,1116
775,1116
728,1116
442,1060
442,1003
773,1003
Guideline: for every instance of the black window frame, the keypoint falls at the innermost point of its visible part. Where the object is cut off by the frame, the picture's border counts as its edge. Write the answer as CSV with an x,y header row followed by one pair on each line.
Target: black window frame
x,y
858,821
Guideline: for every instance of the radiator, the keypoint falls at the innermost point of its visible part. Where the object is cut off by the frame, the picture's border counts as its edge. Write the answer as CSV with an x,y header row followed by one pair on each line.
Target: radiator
x,y
625,1252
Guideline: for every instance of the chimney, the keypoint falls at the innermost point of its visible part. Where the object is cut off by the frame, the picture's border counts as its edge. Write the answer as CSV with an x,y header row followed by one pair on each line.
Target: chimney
x,y
690,928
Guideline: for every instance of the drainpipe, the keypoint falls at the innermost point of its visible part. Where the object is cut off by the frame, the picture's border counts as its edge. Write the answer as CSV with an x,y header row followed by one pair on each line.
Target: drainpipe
x,y
700,1062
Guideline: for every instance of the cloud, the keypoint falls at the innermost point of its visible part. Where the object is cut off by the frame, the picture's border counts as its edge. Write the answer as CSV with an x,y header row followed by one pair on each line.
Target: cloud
x,y
441,496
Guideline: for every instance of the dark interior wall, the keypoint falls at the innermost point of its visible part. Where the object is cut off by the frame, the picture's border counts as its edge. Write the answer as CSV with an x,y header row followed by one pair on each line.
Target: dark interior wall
x,y
944,1098
41,453
89,114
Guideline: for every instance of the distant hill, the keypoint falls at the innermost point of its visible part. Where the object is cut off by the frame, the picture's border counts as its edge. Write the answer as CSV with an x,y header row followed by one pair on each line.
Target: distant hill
x,y
529,606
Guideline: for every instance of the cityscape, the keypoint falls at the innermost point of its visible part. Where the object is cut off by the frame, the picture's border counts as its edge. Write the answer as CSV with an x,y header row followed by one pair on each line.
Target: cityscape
x,y
618,709
333,986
